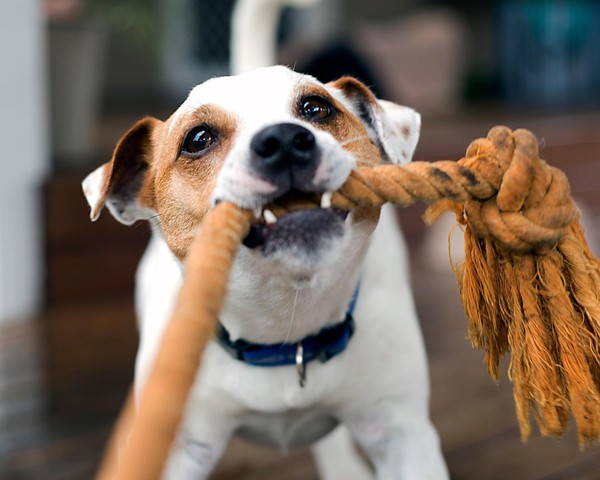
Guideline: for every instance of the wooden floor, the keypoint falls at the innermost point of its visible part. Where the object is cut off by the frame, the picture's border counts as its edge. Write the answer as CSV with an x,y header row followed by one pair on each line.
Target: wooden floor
x,y
475,417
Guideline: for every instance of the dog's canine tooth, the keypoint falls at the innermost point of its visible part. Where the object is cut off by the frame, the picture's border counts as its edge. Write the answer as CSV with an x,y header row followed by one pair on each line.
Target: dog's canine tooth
x,y
326,200
270,217
258,213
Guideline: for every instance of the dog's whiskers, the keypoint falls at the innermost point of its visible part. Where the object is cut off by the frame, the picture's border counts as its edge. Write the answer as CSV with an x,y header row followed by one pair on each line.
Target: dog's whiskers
x,y
287,337
363,159
360,158
357,138
155,220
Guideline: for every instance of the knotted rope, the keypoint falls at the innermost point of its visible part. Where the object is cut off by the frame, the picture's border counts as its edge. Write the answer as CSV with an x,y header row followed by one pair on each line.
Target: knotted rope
x,y
529,285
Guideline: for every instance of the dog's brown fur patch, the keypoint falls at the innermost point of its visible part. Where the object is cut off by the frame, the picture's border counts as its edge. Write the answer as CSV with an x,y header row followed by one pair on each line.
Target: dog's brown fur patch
x,y
349,131
344,126
183,184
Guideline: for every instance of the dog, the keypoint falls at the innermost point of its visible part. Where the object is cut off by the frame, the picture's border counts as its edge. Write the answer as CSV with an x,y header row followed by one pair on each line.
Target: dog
x,y
318,341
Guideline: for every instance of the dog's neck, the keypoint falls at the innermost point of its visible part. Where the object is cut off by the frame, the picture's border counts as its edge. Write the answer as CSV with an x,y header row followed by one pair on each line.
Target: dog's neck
x,y
269,308
264,305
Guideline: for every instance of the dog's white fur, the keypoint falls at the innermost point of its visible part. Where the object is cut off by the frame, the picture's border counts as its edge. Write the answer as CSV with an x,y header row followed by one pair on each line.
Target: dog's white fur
x,y
378,387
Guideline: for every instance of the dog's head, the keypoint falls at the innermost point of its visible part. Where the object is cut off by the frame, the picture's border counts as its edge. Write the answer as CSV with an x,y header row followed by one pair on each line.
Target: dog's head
x,y
254,139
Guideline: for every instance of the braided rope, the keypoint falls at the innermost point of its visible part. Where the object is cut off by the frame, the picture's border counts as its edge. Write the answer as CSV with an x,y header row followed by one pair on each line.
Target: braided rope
x,y
522,205
529,284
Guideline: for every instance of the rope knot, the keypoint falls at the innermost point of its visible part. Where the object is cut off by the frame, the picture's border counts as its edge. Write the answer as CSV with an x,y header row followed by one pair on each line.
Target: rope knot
x,y
510,195
533,207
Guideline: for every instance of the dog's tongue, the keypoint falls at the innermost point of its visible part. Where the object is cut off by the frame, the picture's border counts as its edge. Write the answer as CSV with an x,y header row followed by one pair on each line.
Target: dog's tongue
x,y
303,229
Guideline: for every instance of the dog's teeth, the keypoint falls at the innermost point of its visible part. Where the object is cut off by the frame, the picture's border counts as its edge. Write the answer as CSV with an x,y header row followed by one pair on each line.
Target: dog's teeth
x,y
326,200
269,216
257,212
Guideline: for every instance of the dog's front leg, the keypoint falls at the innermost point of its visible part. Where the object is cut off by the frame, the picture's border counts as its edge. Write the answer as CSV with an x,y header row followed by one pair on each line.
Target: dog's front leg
x,y
400,441
337,458
198,447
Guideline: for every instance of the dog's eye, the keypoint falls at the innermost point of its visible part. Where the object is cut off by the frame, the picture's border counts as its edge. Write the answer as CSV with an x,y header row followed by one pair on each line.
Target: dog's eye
x,y
315,109
198,140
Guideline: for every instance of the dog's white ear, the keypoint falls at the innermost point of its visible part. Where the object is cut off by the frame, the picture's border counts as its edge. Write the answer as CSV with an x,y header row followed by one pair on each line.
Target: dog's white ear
x,y
394,128
95,189
400,129
118,184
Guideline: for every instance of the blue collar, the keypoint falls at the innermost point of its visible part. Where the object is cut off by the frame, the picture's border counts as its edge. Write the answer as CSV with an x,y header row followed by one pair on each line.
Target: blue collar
x,y
324,345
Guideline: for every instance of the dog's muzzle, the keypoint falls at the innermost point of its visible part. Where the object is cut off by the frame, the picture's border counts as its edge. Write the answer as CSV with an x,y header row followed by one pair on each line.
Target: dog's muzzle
x,y
287,155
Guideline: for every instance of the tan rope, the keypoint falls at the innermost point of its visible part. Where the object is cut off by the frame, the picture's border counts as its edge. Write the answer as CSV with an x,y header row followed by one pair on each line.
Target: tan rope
x,y
522,205
529,285
147,443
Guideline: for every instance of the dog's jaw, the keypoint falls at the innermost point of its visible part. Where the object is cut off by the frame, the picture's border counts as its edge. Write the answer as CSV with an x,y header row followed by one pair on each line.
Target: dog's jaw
x,y
301,243
288,296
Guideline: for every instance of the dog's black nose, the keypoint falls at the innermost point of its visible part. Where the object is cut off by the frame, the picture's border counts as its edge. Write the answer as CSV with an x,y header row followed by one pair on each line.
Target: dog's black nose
x,y
286,154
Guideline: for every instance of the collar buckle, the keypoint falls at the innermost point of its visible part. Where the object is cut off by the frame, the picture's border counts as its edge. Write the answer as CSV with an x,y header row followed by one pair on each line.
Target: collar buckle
x,y
300,365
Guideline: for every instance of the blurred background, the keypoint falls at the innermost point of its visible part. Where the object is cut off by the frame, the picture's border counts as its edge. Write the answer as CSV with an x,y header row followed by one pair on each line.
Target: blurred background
x,y
77,73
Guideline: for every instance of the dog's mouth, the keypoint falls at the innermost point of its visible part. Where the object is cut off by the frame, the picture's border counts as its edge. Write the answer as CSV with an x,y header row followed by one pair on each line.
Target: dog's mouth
x,y
296,220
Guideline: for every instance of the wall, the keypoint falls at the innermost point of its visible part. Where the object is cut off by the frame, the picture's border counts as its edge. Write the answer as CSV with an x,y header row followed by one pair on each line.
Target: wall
x,y
23,157
357,12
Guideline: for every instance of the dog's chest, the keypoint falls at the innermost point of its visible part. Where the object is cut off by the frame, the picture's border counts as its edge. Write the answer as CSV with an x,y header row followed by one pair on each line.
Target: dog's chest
x,y
289,429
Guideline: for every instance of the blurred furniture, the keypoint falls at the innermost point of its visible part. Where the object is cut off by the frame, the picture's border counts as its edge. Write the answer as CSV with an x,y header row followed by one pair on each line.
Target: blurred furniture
x,y
420,58
547,52
77,54
90,321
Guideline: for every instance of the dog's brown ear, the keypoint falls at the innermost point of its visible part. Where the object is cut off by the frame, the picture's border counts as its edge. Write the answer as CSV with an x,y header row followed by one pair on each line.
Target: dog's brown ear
x,y
118,183
394,128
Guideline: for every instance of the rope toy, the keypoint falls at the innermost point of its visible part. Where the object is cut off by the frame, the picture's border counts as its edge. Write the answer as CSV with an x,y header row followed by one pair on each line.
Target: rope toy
x,y
529,285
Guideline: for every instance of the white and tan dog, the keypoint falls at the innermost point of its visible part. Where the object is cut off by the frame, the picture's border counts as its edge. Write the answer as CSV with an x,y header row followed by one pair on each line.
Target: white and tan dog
x,y
252,139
